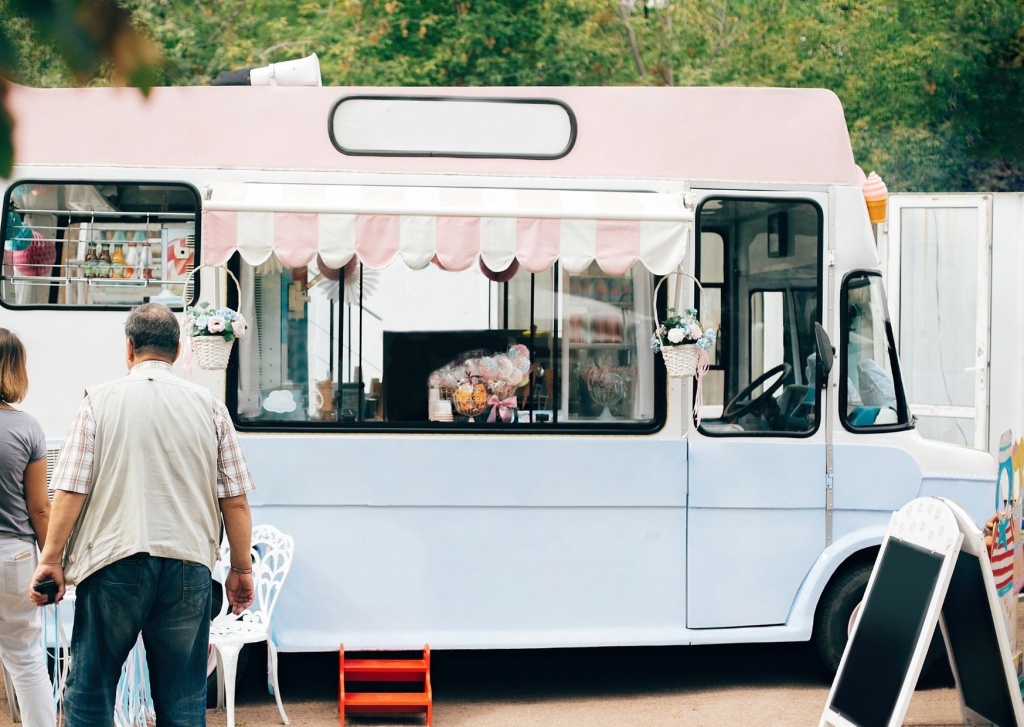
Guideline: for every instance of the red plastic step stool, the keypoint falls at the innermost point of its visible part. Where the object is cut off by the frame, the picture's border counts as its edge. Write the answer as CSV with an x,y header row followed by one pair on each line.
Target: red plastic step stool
x,y
384,670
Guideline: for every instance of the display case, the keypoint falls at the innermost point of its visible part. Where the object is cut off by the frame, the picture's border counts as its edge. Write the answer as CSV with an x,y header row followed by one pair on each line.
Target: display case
x,y
599,345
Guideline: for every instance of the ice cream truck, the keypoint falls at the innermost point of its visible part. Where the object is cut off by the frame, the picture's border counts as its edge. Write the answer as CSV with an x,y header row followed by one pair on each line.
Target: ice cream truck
x,y
448,392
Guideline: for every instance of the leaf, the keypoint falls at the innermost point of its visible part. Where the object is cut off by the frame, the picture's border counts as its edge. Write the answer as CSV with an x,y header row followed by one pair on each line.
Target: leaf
x,y
6,133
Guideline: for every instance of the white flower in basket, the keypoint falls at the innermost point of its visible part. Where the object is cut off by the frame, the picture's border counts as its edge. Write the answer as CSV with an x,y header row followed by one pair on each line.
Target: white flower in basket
x,y
213,332
681,339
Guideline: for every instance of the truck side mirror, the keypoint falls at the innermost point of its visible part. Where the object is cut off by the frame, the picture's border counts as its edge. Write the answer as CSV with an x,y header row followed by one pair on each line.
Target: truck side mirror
x,y
825,355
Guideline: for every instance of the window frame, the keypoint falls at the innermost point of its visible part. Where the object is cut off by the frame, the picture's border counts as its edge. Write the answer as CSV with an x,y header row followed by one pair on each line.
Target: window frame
x,y
197,246
905,419
561,427
730,284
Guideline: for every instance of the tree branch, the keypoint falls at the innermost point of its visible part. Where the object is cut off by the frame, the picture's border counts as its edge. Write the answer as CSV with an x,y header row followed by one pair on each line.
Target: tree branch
x,y
641,68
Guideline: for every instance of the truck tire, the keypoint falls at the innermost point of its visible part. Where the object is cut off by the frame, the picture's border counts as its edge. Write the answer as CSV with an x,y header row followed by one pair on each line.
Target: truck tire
x,y
832,619
832,624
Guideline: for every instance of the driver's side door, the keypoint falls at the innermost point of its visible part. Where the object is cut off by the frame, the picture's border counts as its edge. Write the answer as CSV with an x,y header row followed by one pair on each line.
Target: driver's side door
x,y
756,508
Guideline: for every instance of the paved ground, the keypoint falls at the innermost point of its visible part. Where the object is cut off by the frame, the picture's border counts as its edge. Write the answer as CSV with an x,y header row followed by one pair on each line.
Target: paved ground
x,y
768,686
764,685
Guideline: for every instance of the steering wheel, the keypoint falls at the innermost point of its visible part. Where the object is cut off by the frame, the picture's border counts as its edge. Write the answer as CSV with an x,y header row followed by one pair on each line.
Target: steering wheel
x,y
742,404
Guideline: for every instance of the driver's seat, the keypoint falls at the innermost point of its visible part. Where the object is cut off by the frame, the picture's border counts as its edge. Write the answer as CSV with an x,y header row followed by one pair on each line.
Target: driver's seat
x,y
720,427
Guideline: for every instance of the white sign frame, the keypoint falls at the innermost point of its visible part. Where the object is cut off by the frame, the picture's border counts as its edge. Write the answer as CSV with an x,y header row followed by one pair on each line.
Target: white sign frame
x,y
929,524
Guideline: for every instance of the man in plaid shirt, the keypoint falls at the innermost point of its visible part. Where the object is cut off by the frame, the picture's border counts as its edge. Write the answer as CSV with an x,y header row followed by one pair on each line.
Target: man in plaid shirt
x,y
150,467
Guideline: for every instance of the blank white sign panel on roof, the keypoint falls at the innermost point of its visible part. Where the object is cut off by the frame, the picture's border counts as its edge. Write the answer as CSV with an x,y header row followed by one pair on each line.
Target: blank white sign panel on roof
x,y
452,126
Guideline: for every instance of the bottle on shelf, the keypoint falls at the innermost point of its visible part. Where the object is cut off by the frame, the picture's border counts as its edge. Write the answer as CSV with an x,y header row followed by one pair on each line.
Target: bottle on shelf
x,y
90,261
103,265
146,262
117,262
131,261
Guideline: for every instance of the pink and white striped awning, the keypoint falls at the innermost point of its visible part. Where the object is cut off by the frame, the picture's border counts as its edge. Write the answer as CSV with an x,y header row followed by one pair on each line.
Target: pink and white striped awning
x,y
296,222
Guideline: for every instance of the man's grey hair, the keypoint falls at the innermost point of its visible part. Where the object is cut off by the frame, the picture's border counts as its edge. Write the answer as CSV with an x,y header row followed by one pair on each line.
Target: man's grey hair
x,y
153,329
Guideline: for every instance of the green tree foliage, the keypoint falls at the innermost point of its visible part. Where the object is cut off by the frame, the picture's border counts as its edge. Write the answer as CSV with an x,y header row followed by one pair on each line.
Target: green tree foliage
x,y
932,88
56,41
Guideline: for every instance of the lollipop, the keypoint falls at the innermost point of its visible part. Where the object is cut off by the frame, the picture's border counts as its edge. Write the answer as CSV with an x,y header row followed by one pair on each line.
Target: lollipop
x,y
488,369
517,379
505,367
449,379
522,364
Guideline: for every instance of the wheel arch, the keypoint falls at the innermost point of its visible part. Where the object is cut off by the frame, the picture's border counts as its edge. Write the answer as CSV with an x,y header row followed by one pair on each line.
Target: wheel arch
x,y
850,551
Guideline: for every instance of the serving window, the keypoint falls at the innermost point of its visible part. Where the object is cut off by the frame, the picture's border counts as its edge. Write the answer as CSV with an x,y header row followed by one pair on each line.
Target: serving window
x,y
399,348
97,245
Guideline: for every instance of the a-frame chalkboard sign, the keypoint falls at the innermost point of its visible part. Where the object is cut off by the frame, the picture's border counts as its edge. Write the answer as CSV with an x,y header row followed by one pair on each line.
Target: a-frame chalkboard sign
x,y
932,569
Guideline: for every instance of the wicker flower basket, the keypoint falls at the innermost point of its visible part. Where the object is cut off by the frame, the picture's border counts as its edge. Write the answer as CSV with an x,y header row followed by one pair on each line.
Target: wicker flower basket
x,y
212,352
681,361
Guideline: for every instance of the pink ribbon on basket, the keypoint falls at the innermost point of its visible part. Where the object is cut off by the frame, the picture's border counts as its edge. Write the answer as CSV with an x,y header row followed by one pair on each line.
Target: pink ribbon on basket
x,y
187,357
702,368
502,407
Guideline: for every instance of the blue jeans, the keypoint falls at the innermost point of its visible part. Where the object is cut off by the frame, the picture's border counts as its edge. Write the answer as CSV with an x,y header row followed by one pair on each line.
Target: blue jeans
x,y
168,602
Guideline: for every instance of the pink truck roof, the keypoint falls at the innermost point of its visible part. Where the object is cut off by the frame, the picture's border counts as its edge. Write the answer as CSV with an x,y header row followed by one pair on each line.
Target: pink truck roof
x,y
727,134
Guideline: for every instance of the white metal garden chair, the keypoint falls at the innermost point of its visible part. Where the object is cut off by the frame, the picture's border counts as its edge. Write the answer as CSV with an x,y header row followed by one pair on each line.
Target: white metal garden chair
x,y
271,553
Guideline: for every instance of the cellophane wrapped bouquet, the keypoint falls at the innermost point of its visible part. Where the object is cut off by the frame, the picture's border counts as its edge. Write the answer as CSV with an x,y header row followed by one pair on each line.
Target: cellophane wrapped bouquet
x,y
477,382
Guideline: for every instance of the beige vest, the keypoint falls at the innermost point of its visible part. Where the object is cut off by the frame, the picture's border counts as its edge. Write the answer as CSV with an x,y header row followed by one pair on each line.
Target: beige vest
x,y
154,475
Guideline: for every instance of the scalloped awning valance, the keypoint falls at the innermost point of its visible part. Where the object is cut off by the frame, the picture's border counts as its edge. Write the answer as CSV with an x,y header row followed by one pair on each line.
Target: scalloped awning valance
x,y
376,224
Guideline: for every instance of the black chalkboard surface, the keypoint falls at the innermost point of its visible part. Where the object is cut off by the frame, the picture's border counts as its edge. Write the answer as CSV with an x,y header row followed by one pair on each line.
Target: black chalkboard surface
x,y
971,632
880,651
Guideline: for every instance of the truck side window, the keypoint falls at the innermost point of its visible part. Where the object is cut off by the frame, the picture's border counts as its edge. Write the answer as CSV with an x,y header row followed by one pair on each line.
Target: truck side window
x,y
870,388
97,245
759,263
434,348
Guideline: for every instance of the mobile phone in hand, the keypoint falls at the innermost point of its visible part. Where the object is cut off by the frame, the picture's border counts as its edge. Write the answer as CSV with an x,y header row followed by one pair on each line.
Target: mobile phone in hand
x,y
48,588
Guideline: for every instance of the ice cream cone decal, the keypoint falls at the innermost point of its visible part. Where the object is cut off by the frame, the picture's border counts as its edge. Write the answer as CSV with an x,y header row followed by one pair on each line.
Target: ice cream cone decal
x,y
876,196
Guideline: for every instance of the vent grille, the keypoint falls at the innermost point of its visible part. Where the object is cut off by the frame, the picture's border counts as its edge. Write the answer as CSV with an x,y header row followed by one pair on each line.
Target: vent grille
x,y
51,462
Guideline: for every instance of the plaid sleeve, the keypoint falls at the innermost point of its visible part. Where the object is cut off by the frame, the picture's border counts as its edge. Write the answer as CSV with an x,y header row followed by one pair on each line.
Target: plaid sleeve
x,y
232,473
73,470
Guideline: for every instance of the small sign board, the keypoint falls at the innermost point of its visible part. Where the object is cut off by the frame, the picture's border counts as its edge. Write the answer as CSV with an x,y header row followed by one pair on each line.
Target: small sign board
x,y
932,569
883,658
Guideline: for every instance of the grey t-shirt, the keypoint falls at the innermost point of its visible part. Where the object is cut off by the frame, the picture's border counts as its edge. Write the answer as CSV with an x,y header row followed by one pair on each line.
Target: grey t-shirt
x,y
22,441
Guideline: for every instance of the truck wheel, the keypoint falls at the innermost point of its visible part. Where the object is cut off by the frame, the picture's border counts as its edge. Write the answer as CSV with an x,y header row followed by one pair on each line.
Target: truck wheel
x,y
834,611
833,621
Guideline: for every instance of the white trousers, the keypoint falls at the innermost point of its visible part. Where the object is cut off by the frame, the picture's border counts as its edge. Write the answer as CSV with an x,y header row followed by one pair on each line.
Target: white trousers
x,y
21,634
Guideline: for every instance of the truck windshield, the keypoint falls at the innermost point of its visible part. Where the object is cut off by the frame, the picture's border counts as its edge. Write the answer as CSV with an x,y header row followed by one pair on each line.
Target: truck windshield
x,y
870,389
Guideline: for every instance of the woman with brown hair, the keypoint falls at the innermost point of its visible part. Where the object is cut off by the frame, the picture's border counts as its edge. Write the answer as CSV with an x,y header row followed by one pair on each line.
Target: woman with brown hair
x,y
24,514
